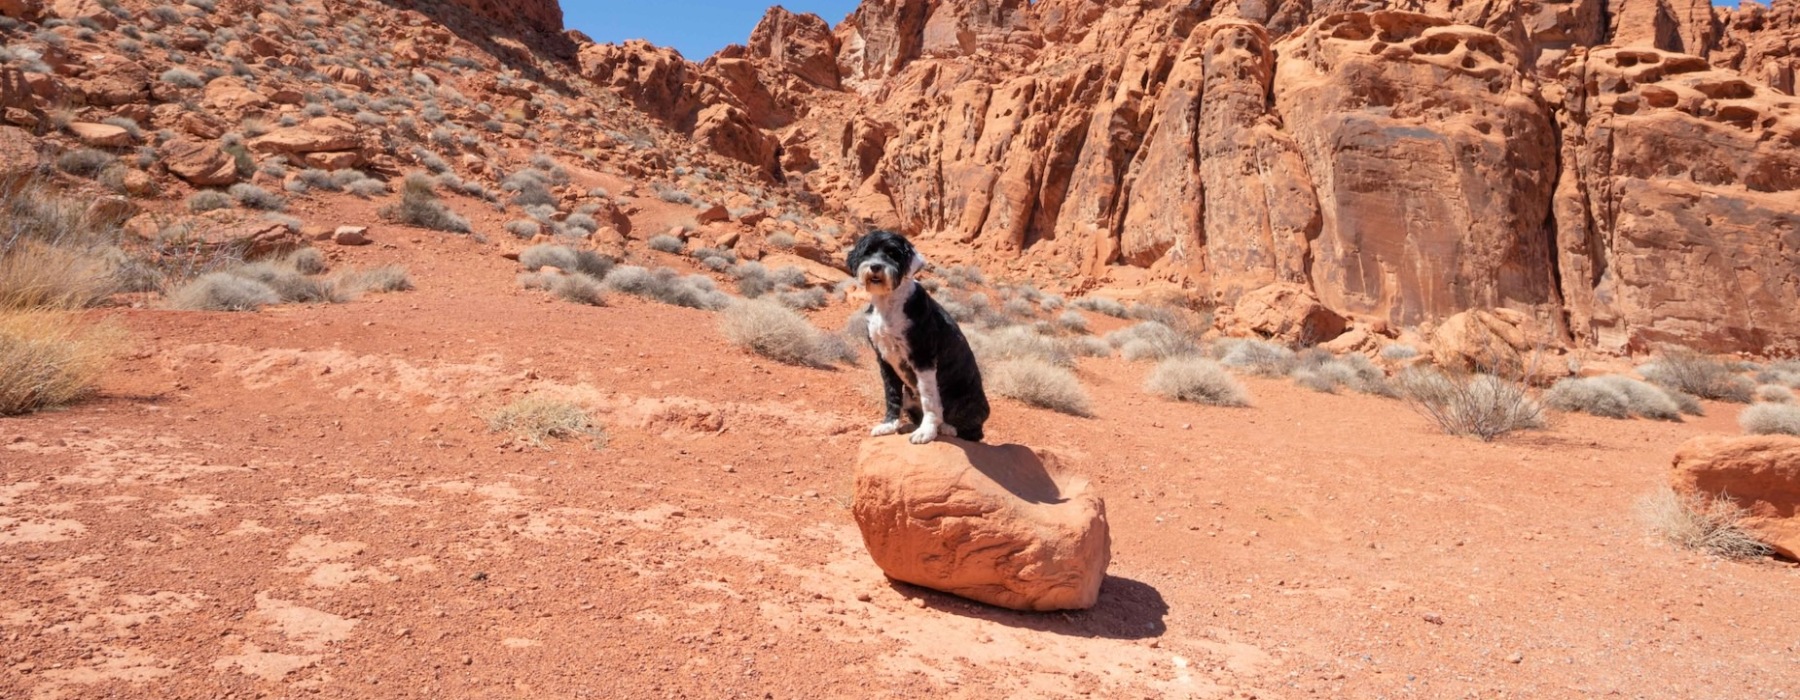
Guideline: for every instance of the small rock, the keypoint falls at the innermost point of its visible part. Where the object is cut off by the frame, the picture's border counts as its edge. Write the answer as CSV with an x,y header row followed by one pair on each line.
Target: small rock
x,y
716,214
1434,618
729,469
1515,658
351,235
864,597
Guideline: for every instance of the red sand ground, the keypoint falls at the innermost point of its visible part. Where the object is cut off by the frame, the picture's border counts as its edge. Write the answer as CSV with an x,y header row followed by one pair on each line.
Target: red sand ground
x,y
304,502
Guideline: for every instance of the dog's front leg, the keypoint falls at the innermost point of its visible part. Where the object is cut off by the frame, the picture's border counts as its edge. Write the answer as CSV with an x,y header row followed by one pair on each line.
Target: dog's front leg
x,y
893,390
932,405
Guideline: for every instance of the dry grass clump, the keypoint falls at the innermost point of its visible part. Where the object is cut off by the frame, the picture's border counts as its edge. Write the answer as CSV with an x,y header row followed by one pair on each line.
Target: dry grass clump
x,y
380,280
570,286
567,259
223,291
667,286
1196,380
1102,305
1690,372
1037,383
1089,346
49,359
1072,321
1019,342
296,278
1152,340
1785,373
1709,525
1321,371
666,243
1481,406
1613,396
774,331
419,206
54,253
1258,357
1774,393
1771,419
1399,352
534,419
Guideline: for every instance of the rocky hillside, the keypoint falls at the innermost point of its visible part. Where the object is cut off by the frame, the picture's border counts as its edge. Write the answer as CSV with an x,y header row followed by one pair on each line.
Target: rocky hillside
x,y
1626,173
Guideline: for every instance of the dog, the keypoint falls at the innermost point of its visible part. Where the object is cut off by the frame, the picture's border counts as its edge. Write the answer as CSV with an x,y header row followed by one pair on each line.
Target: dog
x,y
928,372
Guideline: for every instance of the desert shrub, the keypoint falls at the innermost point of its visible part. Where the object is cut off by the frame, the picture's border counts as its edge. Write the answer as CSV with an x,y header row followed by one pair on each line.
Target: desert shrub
x,y
1482,406
1320,371
1072,321
291,286
1774,393
570,286
1196,380
1019,342
964,276
419,206
1612,397
667,286
570,260
183,78
1771,419
1690,372
381,280
523,228
223,291
49,359
1103,306
529,189
666,243
1151,340
534,419
782,240
315,179
1399,352
367,188
1785,373
774,331
804,299
208,200
253,197
1258,357
1037,383
84,162
1089,346
1709,525
53,252
306,261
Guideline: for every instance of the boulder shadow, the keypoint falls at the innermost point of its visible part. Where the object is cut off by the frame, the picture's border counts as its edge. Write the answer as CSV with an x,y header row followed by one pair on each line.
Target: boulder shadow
x,y
1128,609
1017,468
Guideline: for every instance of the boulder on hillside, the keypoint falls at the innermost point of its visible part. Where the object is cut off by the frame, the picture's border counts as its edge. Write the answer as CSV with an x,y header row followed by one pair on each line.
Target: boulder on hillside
x,y
199,163
101,135
1282,312
1499,341
997,524
1760,473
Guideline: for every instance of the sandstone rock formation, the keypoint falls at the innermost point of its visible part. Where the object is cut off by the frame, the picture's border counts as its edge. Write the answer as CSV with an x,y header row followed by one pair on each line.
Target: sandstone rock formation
x,y
1762,474
1399,165
997,524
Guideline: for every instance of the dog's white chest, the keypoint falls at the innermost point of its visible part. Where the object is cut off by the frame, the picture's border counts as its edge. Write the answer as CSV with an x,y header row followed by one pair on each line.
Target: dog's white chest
x,y
888,333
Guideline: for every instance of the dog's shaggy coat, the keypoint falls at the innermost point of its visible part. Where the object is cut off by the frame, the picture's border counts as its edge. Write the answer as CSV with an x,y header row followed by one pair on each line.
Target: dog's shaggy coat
x,y
928,372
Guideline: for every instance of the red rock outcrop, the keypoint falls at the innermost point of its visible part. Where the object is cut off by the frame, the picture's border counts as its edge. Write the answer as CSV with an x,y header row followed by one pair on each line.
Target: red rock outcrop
x,y
1761,474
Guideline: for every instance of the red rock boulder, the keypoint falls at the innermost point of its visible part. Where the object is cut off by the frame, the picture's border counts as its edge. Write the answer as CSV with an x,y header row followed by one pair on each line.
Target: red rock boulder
x,y
1283,312
996,524
1762,474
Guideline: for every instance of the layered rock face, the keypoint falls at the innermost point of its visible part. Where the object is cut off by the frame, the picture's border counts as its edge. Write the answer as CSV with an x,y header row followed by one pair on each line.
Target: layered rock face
x,y
1760,474
1622,171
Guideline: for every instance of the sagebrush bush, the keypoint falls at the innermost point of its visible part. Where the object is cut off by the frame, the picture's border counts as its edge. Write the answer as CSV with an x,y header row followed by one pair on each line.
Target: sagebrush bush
x,y
381,280
667,286
571,286
1102,305
1399,352
1089,346
1151,340
1072,321
56,251
306,261
252,197
535,419
419,206
1038,383
1482,406
1690,372
1612,396
1774,393
1019,342
49,359
208,200
767,328
85,162
567,259
291,286
223,291
1258,357
1771,419
1196,380
1321,371
666,243
1709,525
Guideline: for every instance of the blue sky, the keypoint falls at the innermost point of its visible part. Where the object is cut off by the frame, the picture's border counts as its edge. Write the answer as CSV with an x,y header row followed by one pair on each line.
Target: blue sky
x,y
696,28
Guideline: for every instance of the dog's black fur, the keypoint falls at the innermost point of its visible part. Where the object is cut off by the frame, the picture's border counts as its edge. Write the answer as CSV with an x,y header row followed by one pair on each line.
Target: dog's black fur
x,y
924,338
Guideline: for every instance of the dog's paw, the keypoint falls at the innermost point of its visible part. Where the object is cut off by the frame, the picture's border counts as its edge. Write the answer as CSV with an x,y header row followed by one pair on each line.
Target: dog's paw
x,y
888,428
926,433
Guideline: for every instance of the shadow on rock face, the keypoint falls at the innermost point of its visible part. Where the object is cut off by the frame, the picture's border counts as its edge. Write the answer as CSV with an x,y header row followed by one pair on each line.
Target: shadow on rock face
x,y
1016,468
1128,609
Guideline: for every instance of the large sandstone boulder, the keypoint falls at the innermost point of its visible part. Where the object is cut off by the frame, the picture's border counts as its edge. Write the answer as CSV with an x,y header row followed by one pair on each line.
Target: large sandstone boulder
x,y
1762,474
318,135
1288,313
997,524
199,163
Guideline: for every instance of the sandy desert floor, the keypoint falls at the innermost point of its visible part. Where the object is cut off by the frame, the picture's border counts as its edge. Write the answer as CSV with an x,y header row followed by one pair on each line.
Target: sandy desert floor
x,y
304,502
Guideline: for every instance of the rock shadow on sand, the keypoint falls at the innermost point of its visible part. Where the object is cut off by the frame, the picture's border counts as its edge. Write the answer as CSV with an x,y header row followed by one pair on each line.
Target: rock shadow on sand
x,y
1128,610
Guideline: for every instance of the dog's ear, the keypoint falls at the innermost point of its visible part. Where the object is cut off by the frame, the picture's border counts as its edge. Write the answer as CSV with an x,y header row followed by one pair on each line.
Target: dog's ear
x,y
857,253
918,263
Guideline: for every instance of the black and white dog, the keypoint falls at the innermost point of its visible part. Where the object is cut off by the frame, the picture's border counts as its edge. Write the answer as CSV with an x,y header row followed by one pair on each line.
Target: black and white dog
x,y
927,368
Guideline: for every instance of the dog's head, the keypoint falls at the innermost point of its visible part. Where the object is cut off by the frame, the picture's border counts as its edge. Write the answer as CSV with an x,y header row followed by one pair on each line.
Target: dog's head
x,y
883,260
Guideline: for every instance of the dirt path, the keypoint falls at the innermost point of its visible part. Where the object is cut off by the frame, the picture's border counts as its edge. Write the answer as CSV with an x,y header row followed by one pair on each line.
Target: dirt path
x,y
303,502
